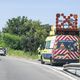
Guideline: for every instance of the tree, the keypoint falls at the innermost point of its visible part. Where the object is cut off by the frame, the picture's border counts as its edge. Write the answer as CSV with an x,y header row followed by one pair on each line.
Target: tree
x,y
31,32
12,41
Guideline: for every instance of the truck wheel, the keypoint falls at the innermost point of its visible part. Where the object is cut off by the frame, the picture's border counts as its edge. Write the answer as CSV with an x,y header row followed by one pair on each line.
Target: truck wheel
x,y
42,62
51,61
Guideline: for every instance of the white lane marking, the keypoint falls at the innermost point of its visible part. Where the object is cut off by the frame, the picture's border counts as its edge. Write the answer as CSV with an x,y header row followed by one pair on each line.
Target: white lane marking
x,y
52,68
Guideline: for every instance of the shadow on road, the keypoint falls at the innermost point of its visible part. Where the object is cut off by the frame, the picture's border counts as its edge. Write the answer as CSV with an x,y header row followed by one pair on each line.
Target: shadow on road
x,y
55,64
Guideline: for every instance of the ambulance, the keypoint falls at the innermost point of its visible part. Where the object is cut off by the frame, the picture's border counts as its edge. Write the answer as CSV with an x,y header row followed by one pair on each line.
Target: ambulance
x,y
46,53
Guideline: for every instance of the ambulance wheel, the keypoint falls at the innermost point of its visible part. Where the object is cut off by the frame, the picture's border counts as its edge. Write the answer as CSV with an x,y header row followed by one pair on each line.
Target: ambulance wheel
x,y
42,62
51,61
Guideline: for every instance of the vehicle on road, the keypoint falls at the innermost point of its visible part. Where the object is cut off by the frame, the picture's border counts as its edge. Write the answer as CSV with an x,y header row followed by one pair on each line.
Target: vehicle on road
x,y
63,47
66,49
2,51
46,53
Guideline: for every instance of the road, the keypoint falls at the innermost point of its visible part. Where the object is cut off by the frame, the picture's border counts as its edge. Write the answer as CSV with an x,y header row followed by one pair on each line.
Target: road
x,y
20,69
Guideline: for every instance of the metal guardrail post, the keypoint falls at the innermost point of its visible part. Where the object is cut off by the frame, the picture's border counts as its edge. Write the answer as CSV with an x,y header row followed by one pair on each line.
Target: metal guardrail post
x,y
75,72
72,66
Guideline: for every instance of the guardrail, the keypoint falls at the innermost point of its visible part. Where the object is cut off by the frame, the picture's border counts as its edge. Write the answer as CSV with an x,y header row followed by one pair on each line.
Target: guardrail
x,y
72,66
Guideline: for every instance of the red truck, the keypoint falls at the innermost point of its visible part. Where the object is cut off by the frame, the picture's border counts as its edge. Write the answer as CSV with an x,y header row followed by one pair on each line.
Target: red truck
x,y
66,49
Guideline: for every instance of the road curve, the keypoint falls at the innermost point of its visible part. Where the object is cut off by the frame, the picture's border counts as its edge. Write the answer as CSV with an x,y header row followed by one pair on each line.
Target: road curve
x,y
16,69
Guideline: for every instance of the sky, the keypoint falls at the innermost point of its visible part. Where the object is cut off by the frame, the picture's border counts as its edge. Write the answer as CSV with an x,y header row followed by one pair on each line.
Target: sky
x,y
43,10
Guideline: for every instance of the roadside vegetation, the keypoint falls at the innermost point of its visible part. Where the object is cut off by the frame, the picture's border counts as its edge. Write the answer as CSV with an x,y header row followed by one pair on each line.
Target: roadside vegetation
x,y
22,36
22,54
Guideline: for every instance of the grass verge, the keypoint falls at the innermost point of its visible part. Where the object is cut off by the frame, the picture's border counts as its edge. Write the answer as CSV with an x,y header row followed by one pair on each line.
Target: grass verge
x,y
22,54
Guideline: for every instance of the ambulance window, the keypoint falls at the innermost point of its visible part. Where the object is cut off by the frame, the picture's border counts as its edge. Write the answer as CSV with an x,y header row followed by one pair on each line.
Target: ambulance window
x,y
47,46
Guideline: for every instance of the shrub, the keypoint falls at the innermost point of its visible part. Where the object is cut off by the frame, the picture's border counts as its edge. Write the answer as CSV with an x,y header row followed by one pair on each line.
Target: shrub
x,y
12,41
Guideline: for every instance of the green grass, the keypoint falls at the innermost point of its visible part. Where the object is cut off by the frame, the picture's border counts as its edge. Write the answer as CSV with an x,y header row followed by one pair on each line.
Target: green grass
x,y
20,53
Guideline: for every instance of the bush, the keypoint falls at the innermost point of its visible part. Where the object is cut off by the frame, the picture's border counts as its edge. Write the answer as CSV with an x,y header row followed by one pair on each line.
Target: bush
x,y
12,41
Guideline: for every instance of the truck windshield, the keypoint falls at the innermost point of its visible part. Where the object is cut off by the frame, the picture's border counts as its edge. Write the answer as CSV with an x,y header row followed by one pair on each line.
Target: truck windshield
x,y
71,45
47,46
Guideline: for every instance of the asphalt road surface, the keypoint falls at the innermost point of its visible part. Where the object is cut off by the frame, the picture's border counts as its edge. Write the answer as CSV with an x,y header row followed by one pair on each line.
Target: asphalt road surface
x,y
18,69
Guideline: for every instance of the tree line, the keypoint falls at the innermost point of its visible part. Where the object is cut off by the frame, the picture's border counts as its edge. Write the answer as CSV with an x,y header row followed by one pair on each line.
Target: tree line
x,y
21,33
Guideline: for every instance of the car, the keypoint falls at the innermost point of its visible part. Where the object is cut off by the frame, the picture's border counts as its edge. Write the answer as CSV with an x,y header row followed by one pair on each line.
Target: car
x,y
2,51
